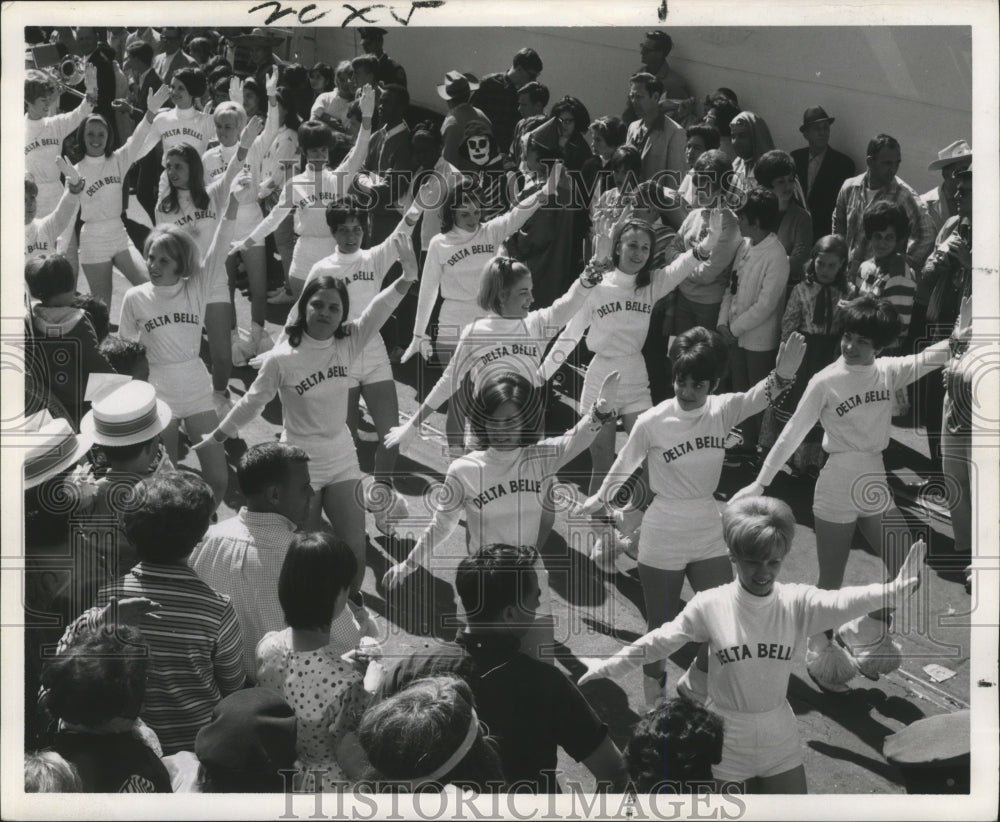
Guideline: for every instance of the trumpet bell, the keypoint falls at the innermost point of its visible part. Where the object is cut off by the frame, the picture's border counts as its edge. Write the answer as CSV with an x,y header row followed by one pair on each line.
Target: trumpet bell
x,y
71,71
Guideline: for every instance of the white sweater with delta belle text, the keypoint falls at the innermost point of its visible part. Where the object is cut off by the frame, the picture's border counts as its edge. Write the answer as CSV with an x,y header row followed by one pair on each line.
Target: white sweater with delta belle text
x,y
753,641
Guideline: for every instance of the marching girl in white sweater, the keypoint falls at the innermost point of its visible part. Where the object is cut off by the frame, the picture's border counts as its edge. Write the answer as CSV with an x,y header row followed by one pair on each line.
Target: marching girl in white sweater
x,y
311,372
230,118
194,206
44,134
309,192
617,315
103,240
683,441
501,489
756,628
166,315
454,266
852,400
41,234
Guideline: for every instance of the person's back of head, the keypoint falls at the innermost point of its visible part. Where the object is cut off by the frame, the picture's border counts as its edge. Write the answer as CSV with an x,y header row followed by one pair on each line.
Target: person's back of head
x,y
762,210
496,585
48,772
528,61
428,735
49,277
315,579
674,746
169,517
97,312
264,467
101,676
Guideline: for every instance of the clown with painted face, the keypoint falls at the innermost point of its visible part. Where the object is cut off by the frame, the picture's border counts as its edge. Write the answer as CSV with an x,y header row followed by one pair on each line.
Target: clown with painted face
x,y
486,162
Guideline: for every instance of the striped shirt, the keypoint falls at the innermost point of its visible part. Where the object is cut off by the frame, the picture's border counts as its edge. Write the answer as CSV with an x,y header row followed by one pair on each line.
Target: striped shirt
x,y
890,279
196,650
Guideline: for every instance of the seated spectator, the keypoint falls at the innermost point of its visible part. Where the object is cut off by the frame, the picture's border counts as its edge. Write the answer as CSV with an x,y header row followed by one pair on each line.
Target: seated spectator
x,y
48,772
532,98
673,748
821,170
196,650
942,201
658,138
456,91
879,182
750,315
331,106
429,735
751,138
95,687
497,95
775,171
677,101
242,556
249,741
887,276
63,342
325,691
126,356
531,707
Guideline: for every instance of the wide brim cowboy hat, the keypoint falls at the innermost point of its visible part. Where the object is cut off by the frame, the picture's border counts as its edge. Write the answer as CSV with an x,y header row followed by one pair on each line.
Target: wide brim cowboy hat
x,y
262,36
455,82
957,152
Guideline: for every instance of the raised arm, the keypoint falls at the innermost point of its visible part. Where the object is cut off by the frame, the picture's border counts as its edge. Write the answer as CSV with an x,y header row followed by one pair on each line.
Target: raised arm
x,y
578,439
430,283
564,344
154,101
790,354
503,225
344,174
375,316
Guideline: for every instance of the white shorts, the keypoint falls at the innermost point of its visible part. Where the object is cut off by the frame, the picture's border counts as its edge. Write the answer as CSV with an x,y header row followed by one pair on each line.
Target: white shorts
x,y
185,386
633,385
332,459
372,364
676,533
851,485
760,744
453,317
309,251
248,217
100,240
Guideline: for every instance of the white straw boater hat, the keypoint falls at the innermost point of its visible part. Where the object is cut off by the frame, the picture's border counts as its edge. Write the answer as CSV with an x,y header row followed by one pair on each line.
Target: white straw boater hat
x,y
53,447
127,415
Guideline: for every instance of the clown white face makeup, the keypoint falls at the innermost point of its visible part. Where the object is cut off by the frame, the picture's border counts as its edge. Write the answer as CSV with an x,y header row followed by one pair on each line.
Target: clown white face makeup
x,y
478,147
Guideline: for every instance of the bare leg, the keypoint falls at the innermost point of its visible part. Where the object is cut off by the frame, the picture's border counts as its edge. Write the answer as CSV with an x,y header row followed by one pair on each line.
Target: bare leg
x,y
383,405
219,326
256,266
169,437
789,782
212,457
130,264
342,505
661,592
99,280
705,574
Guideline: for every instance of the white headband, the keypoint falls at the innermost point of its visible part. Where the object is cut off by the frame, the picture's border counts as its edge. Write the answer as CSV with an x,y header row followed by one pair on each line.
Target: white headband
x,y
449,764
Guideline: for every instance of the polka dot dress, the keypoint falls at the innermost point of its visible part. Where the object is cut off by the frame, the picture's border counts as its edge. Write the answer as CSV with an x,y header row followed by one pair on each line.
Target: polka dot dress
x,y
325,692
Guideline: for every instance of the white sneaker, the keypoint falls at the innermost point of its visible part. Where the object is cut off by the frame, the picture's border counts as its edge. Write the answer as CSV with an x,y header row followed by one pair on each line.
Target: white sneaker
x,y
829,665
693,684
653,689
223,403
873,649
367,436
242,347
260,339
282,297
387,506
604,553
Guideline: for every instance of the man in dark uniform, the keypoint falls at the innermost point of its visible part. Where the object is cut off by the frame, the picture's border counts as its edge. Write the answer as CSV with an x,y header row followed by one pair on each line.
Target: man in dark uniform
x,y
497,95
389,71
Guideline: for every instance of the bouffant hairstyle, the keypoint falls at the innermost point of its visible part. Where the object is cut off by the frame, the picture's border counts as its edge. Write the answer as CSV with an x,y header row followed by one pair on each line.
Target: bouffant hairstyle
x,y
497,390
869,317
755,526
700,354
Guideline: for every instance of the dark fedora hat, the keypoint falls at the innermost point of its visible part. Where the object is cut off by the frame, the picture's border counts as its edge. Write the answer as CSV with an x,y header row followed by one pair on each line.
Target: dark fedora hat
x,y
815,114
457,83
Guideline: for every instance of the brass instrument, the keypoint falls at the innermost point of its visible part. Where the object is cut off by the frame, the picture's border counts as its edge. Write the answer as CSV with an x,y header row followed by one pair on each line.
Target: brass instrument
x,y
67,73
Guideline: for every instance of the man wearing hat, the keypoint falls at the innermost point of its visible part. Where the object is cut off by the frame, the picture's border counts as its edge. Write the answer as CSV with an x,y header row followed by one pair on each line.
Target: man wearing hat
x,y
173,57
676,101
942,202
497,95
821,170
259,49
389,71
456,91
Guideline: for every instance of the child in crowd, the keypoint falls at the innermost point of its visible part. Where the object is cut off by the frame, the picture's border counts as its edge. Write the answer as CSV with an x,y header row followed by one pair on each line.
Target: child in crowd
x,y
48,772
325,691
95,689
41,234
750,315
674,747
63,345
756,628
195,644
811,310
775,171
427,736
852,400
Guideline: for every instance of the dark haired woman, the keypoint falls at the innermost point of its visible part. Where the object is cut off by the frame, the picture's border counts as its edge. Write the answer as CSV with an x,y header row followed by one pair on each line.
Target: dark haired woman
x,y
311,371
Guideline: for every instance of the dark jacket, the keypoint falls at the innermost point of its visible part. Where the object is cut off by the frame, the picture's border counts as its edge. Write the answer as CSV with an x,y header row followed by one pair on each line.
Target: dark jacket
x,y
822,197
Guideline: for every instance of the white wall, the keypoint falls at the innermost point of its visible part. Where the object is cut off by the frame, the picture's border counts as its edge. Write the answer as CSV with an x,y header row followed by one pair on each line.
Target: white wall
x,y
912,82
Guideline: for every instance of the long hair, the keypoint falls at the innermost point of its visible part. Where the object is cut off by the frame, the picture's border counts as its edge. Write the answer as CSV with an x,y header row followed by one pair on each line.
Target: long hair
x,y
466,190
642,278
98,118
196,179
496,391
297,327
